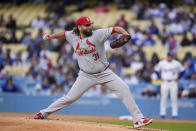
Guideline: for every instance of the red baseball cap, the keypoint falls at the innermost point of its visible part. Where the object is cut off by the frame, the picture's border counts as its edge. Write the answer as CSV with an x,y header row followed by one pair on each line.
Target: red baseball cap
x,y
84,20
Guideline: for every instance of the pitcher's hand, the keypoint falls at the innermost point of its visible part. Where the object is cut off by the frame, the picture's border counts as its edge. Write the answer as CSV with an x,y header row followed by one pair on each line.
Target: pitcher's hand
x,y
46,37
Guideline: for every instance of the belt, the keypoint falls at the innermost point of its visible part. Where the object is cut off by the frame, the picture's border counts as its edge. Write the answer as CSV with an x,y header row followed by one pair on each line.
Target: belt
x,y
97,72
169,80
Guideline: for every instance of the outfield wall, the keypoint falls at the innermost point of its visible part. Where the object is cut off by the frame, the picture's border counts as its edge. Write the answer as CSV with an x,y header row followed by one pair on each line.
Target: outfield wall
x,y
102,106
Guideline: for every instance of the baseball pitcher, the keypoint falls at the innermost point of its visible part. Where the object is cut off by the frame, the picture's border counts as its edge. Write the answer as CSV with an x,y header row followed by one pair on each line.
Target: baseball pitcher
x,y
89,48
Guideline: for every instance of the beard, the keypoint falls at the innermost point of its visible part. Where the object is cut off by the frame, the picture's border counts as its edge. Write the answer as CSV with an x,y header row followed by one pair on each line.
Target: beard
x,y
87,33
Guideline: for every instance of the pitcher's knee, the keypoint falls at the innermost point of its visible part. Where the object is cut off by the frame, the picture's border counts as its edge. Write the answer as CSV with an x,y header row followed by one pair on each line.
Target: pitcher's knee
x,y
124,92
69,100
125,89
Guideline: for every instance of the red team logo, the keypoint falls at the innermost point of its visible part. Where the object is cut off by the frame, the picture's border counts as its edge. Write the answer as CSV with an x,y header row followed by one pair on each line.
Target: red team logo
x,y
84,51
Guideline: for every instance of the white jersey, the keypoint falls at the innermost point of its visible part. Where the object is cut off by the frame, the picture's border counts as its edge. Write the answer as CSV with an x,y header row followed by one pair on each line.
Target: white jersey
x,y
90,51
169,70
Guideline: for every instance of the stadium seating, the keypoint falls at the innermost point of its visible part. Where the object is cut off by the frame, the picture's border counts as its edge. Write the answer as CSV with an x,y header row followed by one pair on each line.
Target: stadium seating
x,y
25,13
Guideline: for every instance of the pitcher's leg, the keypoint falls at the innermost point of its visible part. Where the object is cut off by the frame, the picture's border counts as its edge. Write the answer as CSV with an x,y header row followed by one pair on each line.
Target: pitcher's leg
x,y
79,87
164,97
123,92
174,99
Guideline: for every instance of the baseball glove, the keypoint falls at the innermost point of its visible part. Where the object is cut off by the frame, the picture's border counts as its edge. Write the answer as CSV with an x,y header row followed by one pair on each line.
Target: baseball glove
x,y
120,42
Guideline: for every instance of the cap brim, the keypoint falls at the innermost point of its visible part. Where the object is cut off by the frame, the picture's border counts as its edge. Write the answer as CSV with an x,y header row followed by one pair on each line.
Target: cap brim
x,y
89,23
86,23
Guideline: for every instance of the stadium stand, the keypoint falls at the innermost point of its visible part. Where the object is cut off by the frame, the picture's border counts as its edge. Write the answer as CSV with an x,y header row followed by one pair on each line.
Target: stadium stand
x,y
57,63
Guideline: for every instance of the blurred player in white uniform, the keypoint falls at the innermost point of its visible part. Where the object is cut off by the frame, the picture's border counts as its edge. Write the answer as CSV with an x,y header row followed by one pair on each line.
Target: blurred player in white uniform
x,y
89,49
169,70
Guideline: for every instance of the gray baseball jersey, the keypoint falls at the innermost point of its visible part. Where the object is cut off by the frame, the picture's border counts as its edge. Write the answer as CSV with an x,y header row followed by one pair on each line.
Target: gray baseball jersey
x,y
90,51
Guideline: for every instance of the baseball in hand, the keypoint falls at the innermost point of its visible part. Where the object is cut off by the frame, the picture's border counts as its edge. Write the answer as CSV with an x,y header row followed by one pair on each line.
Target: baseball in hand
x,y
46,37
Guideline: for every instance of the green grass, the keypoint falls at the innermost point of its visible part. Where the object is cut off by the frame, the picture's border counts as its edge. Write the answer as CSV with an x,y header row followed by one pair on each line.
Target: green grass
x,y
154,125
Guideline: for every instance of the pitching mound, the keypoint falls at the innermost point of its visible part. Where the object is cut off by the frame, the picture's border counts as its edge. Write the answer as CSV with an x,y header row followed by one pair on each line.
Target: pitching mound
x,y
25,122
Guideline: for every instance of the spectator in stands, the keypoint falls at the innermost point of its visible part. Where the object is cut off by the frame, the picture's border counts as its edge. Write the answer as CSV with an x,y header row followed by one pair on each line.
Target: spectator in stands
x,y
59,9
2,49
2,37
26,38
172,43
189,2
185,94
140,52
193,76
54,44
186,23
137,37
45,52
176,28
47,23
70,24
137,63
2,72
34,65
70,77
193,42
2,21
9,86
165,19
44,88
193,30
185,41
148,40
9,57
153,29
20,59
13,39
131,79
32,76
1,58
180,91
11,23
122,22
162,9
188,69
50,7
62,22
37,23
39,40
140,14
136,6
192,93
45,63
189,65
154,59
101,8
164,36
172,14
149,92
154,11
144,13
147,70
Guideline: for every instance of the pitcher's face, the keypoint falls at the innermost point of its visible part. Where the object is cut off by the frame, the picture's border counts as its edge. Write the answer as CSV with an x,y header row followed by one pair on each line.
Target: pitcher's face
x,y
86,29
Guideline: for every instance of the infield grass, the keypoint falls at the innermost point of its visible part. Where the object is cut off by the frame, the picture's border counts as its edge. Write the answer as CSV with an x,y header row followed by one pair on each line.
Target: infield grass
x,y
155,125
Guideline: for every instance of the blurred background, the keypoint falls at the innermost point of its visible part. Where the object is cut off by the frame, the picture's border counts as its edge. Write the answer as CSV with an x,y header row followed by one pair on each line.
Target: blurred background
x,y
31,66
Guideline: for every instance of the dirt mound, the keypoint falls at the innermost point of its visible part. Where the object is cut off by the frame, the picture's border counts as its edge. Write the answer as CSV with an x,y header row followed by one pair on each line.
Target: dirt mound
x,y
25,122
